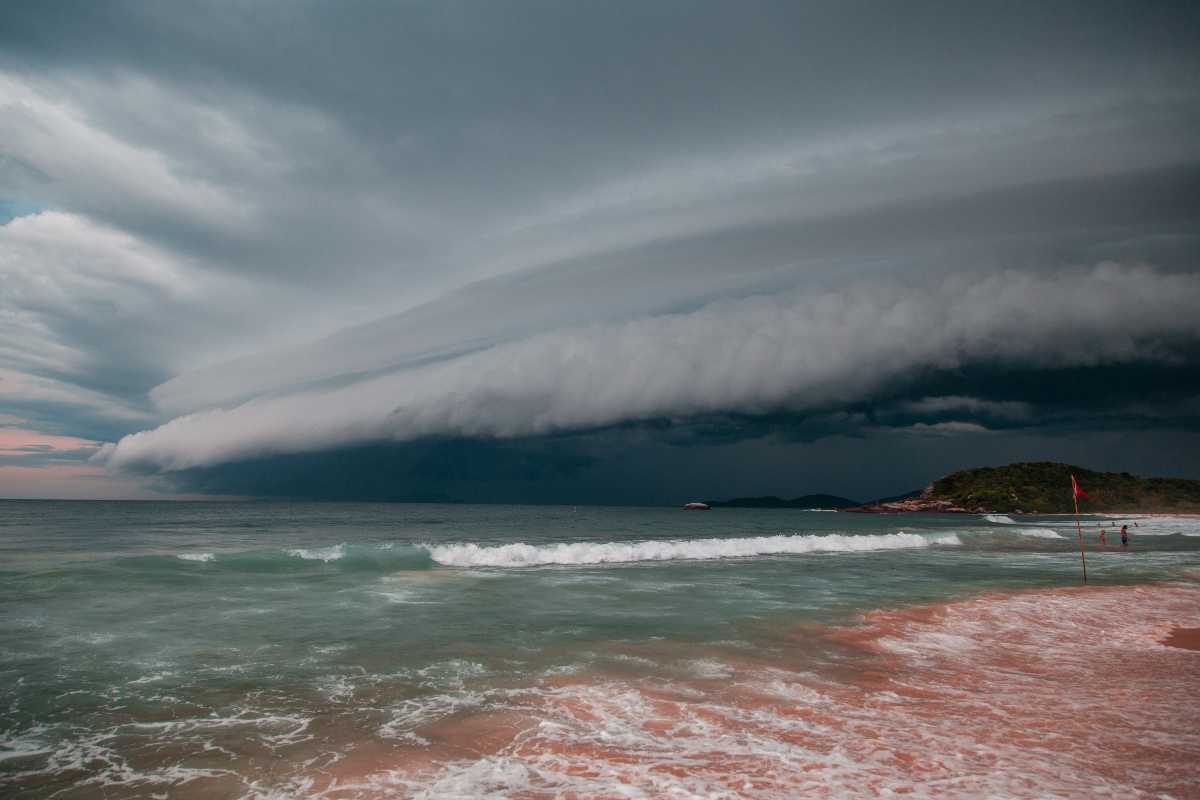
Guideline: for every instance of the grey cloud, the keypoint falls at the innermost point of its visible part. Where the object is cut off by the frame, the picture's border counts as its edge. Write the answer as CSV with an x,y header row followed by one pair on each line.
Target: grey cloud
x,y
971,233
1003,409
758,354
951,428
621,70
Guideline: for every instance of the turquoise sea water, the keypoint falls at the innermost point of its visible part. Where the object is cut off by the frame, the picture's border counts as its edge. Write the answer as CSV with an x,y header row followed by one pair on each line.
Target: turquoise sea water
x,y
232,649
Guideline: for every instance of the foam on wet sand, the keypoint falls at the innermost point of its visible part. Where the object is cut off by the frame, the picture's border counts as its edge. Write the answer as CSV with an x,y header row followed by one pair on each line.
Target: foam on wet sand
x,y
1043,693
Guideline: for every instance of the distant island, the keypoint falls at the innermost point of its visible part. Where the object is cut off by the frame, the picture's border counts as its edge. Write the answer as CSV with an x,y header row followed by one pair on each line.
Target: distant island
x,y
1043,487
770,501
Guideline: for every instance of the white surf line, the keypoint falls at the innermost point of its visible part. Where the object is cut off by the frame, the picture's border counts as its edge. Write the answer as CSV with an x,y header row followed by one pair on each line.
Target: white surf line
x,y
576,553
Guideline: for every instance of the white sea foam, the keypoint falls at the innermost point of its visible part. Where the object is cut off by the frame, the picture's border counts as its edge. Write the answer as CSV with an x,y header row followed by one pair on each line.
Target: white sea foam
x,y
451,674
526,555
338,688
1138,525
1162,526
205,557
96,761
764,734
152,678
326,554
708,668
1039,533
408,715
408,597
16,747
275,728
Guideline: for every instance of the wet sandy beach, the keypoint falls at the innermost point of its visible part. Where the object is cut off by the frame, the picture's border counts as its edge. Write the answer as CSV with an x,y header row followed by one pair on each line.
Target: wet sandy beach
x,y
1066,693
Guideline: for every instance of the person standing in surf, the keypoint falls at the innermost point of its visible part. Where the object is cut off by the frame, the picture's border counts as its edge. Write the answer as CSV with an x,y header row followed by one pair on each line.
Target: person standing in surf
x,y
1124,536
1102,542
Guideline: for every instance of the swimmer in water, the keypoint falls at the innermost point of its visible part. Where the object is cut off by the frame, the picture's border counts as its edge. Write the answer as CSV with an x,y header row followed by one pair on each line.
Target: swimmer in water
x,y
1124,536
1102,542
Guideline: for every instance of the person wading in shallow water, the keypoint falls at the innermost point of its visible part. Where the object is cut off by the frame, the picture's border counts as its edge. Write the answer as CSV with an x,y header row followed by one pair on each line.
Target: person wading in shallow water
x,y
1102,542
1124,536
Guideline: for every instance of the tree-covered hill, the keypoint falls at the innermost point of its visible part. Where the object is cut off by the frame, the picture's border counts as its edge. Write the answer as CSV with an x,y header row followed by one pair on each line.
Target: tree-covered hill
x,y
1045,487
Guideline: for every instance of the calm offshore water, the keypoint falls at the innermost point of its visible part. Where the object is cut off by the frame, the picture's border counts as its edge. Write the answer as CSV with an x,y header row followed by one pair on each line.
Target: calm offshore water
x,y
346,650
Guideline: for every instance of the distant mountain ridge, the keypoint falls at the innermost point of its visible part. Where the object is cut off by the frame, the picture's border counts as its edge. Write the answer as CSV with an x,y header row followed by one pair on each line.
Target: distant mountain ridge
x,y
771,501
1044,487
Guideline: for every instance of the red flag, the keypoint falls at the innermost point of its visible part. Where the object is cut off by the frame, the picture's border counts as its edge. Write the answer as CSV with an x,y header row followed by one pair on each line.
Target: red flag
x,y
1076,491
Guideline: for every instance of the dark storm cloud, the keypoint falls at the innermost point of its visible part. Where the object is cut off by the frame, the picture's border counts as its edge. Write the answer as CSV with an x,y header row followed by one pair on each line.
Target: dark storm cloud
x,y
630,467
295,230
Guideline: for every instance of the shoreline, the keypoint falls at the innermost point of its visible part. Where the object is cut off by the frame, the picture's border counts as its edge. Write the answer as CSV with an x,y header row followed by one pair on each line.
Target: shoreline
x,y
1013,693
1005,694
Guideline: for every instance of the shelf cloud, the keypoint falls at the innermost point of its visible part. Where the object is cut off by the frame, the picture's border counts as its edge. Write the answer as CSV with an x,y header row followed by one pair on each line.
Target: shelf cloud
x,y
793,351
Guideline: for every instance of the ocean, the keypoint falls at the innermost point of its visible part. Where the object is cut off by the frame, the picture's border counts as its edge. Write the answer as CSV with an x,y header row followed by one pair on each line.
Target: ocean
x,y
277,650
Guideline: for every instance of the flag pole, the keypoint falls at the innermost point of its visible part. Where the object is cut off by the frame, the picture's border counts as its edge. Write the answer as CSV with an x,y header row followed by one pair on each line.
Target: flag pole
x,y
1078,529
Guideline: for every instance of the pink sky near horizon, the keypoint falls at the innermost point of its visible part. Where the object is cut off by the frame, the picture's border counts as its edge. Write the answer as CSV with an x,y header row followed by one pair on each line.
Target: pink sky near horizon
x,y
66,479
12,440
77,481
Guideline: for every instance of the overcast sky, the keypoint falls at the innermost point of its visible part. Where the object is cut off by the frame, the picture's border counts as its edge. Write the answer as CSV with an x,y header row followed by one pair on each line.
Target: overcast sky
x,y
581,252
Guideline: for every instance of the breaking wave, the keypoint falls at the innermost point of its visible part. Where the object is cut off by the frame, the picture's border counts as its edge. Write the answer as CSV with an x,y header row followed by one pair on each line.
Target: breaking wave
x,y
326,554
1144,525
1161,525
1039,533
575,553
343,557
1036,533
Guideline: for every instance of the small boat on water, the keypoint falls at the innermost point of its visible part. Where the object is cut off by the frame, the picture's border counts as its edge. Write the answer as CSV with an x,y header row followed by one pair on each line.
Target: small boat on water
x,y
695,507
